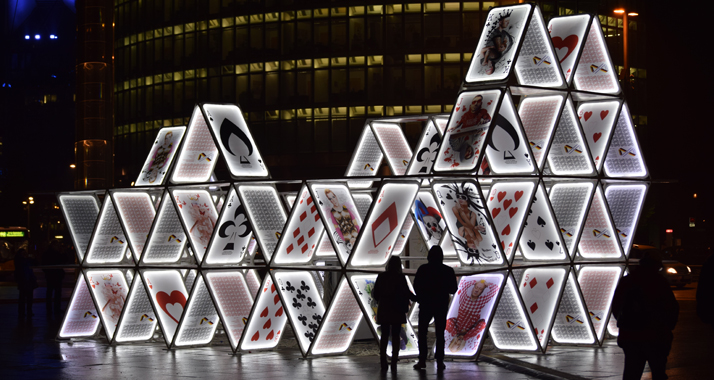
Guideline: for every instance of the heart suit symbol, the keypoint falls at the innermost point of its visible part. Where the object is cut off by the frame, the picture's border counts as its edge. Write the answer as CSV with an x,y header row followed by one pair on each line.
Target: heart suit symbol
x,y
596,136
569,42
603,114
495,212
164,299
588,115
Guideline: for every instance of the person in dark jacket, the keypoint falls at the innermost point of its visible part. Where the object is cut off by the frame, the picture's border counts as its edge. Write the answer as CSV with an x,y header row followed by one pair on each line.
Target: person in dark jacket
x,y
392,294
646,313
434,282
26,282
53,276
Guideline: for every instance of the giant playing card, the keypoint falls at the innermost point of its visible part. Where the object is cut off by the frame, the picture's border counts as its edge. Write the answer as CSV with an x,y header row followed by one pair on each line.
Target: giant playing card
x,y
138,323
302,233
540,289
267,319
81,319
595,71
199,322
267,214
507,150
572,324
161,156
168,295
340,322
199,215
303,304
598,285
599,239
108,242
567,34
536,64
541,239
510,328
110,291
198,155
394,145
234,301
539,115
597,119
80,212
508,204
168,238
137,214
342,219
230,244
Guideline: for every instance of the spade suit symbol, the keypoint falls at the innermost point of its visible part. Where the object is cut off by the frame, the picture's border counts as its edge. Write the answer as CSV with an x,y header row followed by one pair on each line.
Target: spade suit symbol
x,y
228,129
541,222
549,244
532,245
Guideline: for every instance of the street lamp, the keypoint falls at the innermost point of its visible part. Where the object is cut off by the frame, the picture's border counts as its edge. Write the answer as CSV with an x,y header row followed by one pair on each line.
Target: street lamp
x,y
27,203
625,27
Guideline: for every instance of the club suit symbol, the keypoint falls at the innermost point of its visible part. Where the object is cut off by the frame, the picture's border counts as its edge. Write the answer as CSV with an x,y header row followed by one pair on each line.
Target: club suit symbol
x,y
228,129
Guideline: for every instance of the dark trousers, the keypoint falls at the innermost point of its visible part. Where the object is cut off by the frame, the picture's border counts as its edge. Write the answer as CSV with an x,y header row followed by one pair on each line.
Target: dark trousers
x,y
425,315
53,296
636,354
25,300
384,341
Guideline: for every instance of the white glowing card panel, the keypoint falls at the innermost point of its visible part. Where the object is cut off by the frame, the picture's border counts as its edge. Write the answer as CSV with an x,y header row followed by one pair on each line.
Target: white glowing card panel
x,y
572,324
365,160
468,222
267,319
426,152
110,291
340,322
199,322
137,214
507,150
198,155
470,312
570,202
302,233
624,157
510,328
539,115
429,220
362,202
568,154
341,216
500,38
161,156
540,290
80,213
253,281
384,224
234,301
508,205
541,239
138,322
168,238
394,145
189,278
199,216
537,64
81,319
108,243
598,119
403,236
466,131
234,140
599,239
168,295
363,286
567,34
625,203
598,285
266,212
595,72
303,304
233,234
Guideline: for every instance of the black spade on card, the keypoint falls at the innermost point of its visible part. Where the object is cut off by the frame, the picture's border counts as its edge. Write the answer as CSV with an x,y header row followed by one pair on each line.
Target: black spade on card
x,y
549,244
442,203
493,245
532,245
228,129
541,222
302,319
320,203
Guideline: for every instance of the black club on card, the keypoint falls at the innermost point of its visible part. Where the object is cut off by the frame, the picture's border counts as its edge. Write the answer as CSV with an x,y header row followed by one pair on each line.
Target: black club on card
x,y
296,304
300,295
290,288
313,326
304,286
310,335
303,319
317,318
310,303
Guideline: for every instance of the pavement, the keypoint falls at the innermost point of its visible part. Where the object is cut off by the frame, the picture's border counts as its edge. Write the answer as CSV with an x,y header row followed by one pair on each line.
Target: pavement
x,y
29,350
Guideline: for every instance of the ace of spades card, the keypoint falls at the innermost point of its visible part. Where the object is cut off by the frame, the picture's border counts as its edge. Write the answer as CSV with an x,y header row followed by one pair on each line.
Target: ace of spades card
x,y
267,320
303,231
466,217
567,34
303,304
162,154
541,239
235,141
508,203
230,243
168,294
540,289
342,219
110,292
199,216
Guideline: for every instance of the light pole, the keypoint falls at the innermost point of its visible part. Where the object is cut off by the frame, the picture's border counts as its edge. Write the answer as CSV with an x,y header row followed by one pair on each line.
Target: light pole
x,y
625,31
27,203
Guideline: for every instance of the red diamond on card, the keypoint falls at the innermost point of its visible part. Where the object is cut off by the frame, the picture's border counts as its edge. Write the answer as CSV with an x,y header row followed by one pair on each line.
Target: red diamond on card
x,y
296,232
304,248
290,248
534,307
549,283
317,217
301,240
533,283
313,209
309,200
385,224
303,216
311,232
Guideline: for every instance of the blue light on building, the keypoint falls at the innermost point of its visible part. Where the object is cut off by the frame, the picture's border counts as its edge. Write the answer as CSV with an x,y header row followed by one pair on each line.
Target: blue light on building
x,y
37,36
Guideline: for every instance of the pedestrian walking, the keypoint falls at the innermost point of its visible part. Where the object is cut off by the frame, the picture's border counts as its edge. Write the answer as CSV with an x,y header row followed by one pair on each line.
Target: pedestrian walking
x,y
434,282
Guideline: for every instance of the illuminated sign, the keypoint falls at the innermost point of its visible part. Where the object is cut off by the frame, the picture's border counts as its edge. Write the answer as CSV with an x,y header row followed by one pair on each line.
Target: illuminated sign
x,y
12,234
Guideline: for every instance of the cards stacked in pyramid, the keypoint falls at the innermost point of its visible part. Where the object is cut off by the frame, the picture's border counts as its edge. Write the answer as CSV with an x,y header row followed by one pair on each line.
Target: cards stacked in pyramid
x,y
537,163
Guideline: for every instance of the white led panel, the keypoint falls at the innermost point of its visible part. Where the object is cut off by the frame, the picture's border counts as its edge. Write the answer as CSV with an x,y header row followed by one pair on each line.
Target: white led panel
x,y
137,212
198,155
598,285
570,202
160,157
507,150
511,328
233,300
568,154
303,304
403,236
199,322
362,202
624,157
508,204
267,319
541,239
567,34
537,64
468,222
540,290
572,324
598,119
394,145
466,131
234,140
384,223
80,212
599,238
625,203
110,291
267,214
231,240
138,323
108,243
253,281
340,325
302,233
612,328
199,215
539,115
81,318
168,238
595,72
500,38
168,295
470,313
365,160
427,149
339,212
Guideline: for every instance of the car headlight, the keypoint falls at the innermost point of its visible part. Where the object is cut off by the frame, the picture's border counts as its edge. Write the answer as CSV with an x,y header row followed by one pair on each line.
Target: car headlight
x,y
689,269
671,270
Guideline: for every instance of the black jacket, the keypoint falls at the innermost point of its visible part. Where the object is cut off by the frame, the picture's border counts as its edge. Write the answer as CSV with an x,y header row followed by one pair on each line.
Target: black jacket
x,y
392,294
434,282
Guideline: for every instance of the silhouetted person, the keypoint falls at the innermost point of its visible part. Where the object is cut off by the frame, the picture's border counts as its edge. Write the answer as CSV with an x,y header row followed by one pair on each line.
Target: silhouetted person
x,y
26,282
434,282
54,276
705,292
646,313
392,294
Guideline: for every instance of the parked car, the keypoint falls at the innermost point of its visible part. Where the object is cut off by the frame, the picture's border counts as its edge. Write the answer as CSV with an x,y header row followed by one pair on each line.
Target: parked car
x,y
676,273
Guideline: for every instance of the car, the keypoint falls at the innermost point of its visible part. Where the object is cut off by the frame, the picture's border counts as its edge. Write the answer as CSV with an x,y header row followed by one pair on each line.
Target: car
x,y
676,273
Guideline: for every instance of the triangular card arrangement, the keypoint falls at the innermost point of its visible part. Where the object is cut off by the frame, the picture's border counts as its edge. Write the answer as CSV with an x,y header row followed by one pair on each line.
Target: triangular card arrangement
x,y
540,290
599,239
598,285
570,201
625,202
80,212
572,324
541,238
161,156
233,299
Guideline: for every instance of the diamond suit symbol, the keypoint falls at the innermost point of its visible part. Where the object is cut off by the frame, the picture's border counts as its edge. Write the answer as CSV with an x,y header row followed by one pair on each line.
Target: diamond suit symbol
x,y
380,228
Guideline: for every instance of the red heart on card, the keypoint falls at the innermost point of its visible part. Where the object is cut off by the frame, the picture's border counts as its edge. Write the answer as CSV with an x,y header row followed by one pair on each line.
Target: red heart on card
x,y
276,299
588,114
503,245
603,113
457,108
569,42
176,297
596,136
270,335
256,336
511,245
512,211
507,203
264,313
501,195
267,324
495,212
279,313
518,195
507,230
